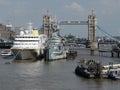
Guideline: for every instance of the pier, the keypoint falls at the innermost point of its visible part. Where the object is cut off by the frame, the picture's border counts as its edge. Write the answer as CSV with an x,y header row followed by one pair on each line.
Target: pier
x,y
72,53
114,53
6,45
100,51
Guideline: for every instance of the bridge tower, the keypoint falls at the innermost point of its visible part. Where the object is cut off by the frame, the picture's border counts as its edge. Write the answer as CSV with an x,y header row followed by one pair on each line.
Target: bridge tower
x,y
47,24
92,21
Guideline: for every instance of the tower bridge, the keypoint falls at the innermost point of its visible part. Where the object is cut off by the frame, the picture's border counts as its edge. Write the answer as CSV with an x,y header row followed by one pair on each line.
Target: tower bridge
x,y
90,23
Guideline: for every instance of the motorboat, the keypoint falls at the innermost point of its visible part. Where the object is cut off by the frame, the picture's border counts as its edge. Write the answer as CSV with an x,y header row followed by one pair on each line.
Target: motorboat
x,y
6,52
106,68
114,74
112,71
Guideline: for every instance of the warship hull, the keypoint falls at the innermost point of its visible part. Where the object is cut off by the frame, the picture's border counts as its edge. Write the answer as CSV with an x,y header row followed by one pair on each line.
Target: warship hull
x,y
51,54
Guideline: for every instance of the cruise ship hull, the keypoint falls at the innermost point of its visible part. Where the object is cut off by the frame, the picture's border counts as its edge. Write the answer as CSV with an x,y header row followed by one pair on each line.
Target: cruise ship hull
x,y
27,54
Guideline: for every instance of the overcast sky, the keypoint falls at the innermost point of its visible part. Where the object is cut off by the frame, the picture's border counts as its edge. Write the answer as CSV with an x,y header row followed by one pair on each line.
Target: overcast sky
x,y
20,12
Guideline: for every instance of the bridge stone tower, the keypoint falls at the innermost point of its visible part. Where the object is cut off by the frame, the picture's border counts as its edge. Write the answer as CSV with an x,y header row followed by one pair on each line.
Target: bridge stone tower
x,y
47,24
92,21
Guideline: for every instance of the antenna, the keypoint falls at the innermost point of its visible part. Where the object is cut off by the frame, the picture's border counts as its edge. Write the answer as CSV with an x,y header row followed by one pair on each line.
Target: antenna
x,y
30,26
93,12
47,12
9,24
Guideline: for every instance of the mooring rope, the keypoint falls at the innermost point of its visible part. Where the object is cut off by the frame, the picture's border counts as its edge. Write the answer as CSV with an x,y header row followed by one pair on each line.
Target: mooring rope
x,y
16,55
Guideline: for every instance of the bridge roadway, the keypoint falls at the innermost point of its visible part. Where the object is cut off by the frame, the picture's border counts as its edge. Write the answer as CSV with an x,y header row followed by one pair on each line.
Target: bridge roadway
x,y
73,23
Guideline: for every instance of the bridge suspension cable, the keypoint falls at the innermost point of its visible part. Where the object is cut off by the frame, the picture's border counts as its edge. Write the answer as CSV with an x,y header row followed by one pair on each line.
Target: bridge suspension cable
x,y
107,34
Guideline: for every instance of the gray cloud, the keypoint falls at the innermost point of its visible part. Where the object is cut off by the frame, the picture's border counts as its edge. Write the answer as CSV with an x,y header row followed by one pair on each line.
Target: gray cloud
x,y
75,6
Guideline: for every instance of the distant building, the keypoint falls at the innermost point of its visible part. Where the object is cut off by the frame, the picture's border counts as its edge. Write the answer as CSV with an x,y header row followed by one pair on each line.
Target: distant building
x,y
17,30
6,33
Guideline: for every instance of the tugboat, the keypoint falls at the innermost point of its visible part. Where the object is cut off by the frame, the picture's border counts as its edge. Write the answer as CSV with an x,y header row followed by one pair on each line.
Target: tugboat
x,y
89,69
93,69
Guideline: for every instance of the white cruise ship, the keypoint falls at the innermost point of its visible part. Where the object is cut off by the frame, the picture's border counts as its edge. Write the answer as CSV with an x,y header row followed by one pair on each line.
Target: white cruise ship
x,y
29,45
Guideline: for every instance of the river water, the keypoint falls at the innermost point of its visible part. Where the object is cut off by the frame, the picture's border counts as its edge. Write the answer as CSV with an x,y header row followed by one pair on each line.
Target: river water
x,y
54,75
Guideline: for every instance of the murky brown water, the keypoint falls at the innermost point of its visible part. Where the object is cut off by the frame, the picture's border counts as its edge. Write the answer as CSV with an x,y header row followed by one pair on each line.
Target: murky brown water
x,y
54,75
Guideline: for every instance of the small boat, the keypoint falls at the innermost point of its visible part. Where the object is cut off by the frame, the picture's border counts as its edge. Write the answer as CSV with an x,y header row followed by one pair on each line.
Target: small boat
x,y
112,71
114,74
88,69
106,68
6,52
